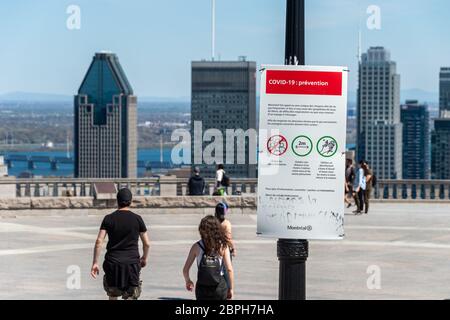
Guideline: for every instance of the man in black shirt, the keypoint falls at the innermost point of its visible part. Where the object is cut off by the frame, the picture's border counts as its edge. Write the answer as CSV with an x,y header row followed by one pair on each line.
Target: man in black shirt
x,y
196,184
122,265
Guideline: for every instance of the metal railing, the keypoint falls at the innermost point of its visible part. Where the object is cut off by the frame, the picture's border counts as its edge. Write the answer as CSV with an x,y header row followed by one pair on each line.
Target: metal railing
x,y
414,190
73,187
410,190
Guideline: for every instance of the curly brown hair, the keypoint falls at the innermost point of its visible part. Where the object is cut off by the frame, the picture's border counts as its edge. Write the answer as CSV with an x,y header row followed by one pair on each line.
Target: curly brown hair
x,y
213,235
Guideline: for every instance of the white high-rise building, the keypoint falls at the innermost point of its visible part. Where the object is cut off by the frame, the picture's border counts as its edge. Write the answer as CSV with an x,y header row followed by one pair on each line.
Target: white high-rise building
x,y
379,123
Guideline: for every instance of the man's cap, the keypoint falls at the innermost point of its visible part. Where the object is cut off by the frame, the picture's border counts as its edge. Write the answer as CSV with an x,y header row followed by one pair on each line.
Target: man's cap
x,y
124,195
196,170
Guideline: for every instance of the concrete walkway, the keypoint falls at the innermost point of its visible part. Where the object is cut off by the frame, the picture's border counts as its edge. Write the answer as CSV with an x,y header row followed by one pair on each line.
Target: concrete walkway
x,y
406,245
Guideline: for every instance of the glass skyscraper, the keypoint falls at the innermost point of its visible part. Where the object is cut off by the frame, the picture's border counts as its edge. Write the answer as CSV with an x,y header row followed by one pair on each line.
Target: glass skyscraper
x,y
441,135
416,140
105,137
379,130
444,90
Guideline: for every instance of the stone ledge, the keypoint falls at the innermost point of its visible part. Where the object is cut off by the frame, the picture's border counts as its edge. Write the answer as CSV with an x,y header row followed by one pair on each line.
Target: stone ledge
x,y
15,203
191,202
62,203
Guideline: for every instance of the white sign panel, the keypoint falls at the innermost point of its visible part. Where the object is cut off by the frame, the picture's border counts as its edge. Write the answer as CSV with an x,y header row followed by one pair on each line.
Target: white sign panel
x,y
302,137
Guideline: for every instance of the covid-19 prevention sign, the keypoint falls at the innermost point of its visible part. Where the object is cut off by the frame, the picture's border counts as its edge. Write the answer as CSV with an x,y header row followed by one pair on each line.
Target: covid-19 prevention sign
x,y
301,163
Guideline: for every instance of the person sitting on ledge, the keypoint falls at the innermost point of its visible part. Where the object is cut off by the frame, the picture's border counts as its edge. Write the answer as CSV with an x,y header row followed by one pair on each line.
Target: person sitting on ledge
x,y
196,184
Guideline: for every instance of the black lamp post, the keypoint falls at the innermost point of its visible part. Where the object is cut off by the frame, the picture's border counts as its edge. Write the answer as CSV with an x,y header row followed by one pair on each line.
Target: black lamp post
x,y
293,253
295,32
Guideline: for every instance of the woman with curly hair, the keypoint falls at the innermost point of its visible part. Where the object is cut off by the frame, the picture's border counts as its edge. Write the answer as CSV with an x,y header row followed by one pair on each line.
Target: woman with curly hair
x,y
213,258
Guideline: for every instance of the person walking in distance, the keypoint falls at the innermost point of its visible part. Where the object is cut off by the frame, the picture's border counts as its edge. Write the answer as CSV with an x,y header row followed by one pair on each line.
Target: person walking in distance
x,y
122,264
196,184
359,187
349,177
213,256
368,173
222,181
220,212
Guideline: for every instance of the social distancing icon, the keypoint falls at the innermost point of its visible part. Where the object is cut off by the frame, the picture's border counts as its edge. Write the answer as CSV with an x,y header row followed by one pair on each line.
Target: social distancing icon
x,y
277,145
302,146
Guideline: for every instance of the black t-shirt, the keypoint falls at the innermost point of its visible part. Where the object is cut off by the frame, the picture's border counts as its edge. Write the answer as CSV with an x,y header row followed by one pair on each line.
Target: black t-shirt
x,y
123,229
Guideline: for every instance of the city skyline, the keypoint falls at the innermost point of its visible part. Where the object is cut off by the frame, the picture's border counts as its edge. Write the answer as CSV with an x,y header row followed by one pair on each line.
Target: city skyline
x,y
160,68
139,162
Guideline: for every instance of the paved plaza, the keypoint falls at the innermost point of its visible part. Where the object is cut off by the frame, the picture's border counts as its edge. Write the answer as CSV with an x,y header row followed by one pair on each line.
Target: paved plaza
x,y
408,243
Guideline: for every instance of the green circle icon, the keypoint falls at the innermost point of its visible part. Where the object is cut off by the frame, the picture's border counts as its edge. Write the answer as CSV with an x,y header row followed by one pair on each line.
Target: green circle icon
x,y
302,146
327,146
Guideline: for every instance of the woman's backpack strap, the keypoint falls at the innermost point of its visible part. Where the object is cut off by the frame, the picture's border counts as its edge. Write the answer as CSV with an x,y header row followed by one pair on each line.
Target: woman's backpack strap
x,y
201,246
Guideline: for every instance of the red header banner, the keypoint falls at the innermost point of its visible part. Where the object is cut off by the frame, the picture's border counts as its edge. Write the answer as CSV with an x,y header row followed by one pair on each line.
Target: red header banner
x,y
304,82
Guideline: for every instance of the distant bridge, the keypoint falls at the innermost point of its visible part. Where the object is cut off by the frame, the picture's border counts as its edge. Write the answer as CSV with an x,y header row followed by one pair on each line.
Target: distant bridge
x,y
10,159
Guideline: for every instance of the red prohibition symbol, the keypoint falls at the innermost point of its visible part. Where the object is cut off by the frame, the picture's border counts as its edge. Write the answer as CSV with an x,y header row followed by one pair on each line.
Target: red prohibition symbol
x,y
277,145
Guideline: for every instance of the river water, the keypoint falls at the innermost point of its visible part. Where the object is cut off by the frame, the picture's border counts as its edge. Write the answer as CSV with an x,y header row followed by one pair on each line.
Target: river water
x,y
66,170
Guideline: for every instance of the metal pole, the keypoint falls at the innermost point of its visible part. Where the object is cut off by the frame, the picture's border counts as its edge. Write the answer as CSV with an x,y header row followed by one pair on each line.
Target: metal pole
x,y
293,253
295,32
213,30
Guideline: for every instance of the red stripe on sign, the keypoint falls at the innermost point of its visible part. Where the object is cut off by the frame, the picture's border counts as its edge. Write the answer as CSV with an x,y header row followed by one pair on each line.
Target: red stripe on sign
x,y
304,82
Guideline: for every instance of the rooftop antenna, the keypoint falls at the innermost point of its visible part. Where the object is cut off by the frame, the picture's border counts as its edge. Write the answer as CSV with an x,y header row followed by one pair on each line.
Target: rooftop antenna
x,y
213,29
359,46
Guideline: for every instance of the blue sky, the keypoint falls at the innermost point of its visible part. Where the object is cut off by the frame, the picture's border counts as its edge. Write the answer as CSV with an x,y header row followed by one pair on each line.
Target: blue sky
x,y
156,39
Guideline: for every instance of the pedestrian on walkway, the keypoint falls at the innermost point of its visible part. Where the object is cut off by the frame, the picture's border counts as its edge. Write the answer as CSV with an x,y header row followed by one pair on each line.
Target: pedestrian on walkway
x,y
222,181
213,257
349,178
220,212
196,184
368,173
359,187
122,264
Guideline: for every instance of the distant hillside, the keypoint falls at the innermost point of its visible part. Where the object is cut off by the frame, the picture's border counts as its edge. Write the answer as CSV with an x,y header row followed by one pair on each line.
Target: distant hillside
x,y
20,96
164,99
421,95
408,94
35,97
